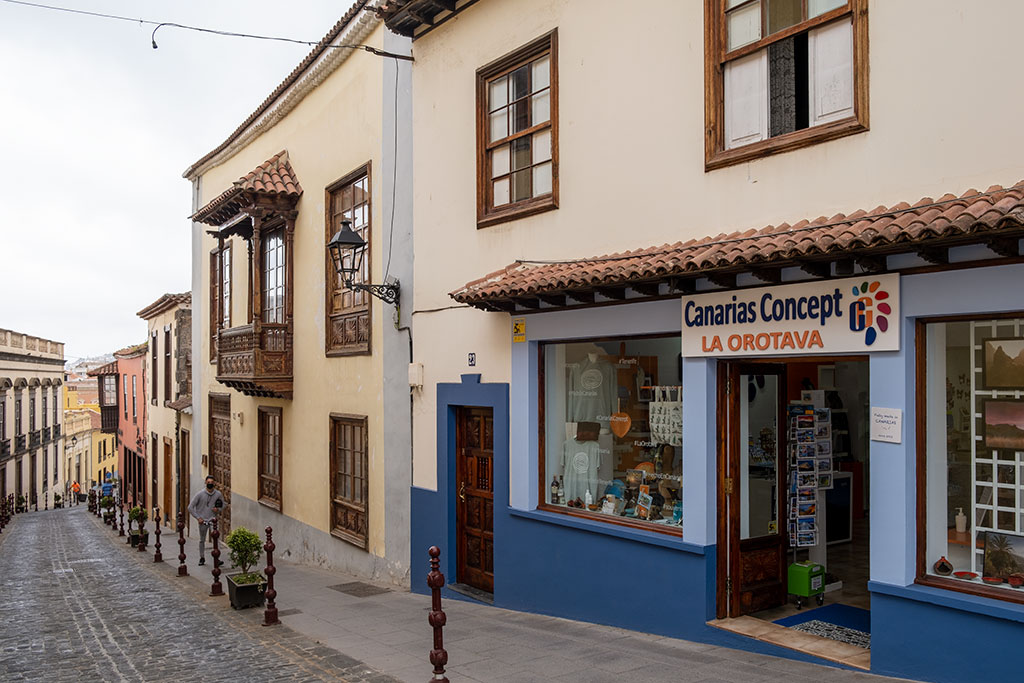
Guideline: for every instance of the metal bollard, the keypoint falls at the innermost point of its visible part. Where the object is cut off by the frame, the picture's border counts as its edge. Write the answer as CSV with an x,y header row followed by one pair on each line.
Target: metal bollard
x,y
121,532
270,614
437,618
182,568
215,588
157,556
141,547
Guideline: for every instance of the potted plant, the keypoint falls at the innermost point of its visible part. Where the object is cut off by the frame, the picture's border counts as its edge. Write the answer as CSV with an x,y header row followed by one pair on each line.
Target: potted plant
x,y
139,535
107,503
19,504
245,589
57,501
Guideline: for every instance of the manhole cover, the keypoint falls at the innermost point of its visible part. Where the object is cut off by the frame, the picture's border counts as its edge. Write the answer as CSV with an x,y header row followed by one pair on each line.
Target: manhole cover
x,y
358,589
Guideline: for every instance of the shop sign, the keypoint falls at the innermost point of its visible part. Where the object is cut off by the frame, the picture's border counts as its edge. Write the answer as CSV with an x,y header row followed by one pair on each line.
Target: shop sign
x,y
853,315
518,330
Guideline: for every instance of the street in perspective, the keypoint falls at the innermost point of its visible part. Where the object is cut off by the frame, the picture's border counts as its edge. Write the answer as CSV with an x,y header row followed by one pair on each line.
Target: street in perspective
x,y
511,341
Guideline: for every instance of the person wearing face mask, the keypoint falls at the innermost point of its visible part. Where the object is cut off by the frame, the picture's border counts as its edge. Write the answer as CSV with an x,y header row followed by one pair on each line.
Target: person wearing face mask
x,y
204,507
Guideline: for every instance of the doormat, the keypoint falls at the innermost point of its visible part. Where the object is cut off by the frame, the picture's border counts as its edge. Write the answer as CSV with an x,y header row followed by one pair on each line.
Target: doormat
x,y
839,622
358,589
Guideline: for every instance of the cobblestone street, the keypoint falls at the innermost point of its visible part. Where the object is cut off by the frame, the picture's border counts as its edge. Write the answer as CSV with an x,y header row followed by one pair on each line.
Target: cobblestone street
x,y
76,606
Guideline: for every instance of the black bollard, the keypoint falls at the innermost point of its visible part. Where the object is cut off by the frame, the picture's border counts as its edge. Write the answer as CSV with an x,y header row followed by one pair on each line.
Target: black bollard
x,y
182,568
270,614
437,618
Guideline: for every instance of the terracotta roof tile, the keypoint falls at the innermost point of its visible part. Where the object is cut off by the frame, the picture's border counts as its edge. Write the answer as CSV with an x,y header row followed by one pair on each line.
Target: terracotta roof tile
x,y
108,369
274,176
165,303
993,212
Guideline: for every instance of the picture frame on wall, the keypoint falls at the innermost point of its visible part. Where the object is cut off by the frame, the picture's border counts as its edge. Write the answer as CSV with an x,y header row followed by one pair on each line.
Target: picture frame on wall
x,y
1004,555
1002,422
1003,368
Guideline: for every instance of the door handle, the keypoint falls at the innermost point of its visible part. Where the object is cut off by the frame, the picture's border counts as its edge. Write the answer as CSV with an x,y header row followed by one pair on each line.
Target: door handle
x,y
462,492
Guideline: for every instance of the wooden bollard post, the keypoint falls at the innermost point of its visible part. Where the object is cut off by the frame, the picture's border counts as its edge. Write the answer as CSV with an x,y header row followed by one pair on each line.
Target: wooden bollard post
x,y
182,567
157,556
215,588
270,614
437,618
121,532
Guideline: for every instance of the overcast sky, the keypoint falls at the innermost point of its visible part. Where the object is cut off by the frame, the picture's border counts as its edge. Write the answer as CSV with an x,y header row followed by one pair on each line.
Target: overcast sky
x,y
96,129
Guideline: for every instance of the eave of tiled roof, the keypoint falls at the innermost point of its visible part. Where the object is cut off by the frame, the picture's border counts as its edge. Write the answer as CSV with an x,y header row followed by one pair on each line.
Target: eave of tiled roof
x,y
165,303
274,176
132,351
260,119
408,17
108,369
929,226
182,403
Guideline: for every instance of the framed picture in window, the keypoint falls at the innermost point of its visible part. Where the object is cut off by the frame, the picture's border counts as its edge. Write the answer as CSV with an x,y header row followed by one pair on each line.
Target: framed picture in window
x,y
1004,365
1003,424
1004,555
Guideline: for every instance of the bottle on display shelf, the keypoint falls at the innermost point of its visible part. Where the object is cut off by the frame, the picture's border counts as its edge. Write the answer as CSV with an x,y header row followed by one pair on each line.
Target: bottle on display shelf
x,y
554,489
589,500
561,492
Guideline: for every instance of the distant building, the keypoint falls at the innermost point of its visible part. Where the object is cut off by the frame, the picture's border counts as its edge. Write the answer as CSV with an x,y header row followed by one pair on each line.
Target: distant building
x,y
31,378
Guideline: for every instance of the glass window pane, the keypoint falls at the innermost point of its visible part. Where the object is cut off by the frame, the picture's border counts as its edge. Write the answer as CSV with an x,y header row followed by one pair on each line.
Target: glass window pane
x,y
520,116
759,478
541,73
499,124
542,179
541,146
501,193
522,185
519,82
783,13
499,161
498,95
520,153
541,107
816,7
744,26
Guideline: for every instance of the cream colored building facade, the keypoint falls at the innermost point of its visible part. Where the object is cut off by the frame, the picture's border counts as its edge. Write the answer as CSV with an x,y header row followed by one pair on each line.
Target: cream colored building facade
x,y
80,456
301,404
169,373
31,417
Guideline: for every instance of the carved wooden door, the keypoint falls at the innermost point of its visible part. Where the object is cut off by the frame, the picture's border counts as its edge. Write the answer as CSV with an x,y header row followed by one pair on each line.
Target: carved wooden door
x,y
167,510
474,483
220,455
754,487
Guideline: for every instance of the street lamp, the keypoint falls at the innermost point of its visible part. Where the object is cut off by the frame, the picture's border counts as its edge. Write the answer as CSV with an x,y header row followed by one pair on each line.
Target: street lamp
x,y
347,252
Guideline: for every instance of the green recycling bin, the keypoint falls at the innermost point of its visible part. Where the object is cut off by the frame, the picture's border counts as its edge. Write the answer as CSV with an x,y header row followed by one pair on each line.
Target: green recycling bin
x,y
807,580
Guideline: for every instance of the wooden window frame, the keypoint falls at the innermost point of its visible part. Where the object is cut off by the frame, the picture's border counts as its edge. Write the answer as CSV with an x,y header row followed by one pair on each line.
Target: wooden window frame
x,y
486,214
922,577
358,422
542,484
168,349
153,363
715,57
224,288
274,230
215,301
19,424
31,411
43,409
263,412
3,416
135,399
333,351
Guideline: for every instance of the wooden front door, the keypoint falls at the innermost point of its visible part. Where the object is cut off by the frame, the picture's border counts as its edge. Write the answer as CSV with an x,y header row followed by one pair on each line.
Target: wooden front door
x,y
220,455
474,481
167,510
752,488
186,476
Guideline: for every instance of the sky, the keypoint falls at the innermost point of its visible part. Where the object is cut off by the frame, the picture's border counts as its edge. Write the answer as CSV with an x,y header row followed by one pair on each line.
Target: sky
x,y
96,129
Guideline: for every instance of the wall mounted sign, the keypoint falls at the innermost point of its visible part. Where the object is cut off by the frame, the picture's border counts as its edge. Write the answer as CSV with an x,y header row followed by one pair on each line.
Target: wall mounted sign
x,y
886,425
518,330
853,315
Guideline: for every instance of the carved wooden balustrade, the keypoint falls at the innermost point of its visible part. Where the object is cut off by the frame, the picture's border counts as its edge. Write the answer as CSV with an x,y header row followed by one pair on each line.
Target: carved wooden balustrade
x,y
256,359
108,419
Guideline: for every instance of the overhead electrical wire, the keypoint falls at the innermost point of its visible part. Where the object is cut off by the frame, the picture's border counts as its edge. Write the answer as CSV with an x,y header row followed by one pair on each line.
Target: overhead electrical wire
x,y
233,34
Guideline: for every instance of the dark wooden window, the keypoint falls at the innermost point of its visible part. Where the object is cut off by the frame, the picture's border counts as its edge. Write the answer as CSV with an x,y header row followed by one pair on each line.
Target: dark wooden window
x,y
44,411
225,286
3,417
349,479
108,396
348,312
56,402
124,393
782,74
517,133
167,364
17,415
135,402
270,456
215,312
32,413
152,364
273,276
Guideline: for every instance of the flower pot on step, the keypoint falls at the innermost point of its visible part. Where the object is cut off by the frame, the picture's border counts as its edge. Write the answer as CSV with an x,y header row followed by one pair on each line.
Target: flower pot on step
x,y
246,594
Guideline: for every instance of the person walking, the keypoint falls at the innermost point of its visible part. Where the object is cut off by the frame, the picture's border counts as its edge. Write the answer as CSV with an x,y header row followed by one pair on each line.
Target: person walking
x,y
205,506
76,488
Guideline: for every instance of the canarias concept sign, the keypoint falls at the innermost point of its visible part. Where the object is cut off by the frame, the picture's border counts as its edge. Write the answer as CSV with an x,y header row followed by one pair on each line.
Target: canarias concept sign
x,y
828,316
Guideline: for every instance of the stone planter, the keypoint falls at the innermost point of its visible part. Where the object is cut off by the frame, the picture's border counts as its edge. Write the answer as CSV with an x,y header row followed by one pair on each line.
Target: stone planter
x,y
134,538
245,595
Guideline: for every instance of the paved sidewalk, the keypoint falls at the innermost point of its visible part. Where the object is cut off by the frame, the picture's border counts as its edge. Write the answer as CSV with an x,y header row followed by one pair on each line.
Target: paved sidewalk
x,y
387,628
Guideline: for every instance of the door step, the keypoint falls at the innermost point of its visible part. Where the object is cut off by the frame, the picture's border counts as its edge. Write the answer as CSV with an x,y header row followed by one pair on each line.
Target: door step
x,y
816,646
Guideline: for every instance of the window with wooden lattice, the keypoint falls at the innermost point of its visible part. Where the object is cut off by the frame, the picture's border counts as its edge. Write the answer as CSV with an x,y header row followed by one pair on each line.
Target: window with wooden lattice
x,y
349,479
270,456
348,311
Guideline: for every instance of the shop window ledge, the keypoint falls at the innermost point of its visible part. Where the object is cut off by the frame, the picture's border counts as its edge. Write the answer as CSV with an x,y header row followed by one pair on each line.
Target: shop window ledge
x,y
597,527
965,602
798,641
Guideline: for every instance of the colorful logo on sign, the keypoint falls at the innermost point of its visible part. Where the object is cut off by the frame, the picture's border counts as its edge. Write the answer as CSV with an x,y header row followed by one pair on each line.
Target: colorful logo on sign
x,y
868,311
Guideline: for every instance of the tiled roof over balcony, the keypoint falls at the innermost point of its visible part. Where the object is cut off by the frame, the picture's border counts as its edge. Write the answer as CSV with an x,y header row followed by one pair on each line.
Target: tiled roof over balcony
x,y
274,177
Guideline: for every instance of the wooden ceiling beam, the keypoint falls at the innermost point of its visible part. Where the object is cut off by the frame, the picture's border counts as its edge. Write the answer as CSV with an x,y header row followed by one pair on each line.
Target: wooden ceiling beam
x,y
500,306
612,292
1005,246
726,280
684,285
872,264
772,276
646,288
582,296
821,269
553,299
937,255
527,301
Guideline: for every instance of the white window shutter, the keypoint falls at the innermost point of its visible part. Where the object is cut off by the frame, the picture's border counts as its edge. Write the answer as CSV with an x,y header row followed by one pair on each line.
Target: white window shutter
x,y
830,67
746,100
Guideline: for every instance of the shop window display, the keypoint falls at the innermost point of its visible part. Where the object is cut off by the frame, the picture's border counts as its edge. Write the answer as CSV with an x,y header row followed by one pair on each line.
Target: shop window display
x,y
612,426
974,450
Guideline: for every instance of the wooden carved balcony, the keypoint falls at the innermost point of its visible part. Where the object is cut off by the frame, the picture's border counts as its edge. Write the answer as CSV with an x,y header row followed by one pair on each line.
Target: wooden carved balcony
x,y
108,419
256,359
34,439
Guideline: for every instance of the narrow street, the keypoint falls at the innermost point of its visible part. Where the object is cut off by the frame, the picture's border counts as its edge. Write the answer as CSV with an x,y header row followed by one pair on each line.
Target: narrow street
x,y
76,606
